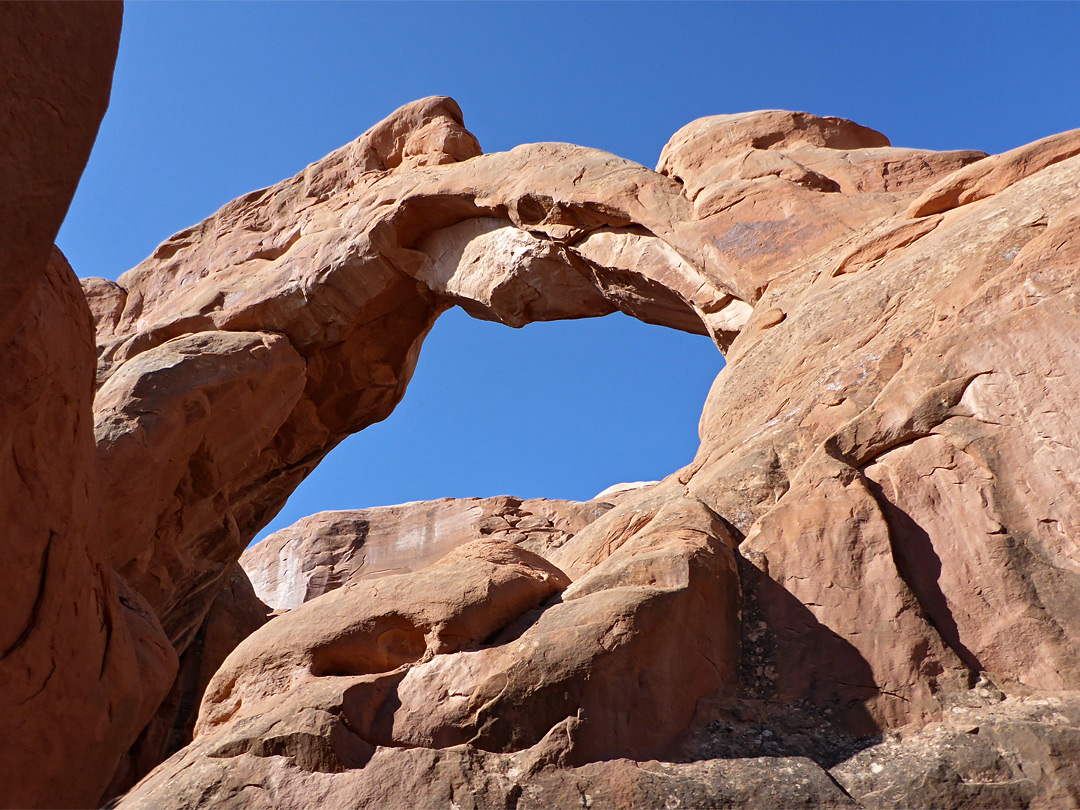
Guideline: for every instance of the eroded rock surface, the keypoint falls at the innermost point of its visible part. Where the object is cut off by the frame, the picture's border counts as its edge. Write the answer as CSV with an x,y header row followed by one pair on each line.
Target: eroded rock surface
x,y
331,549
468,652
873,549
340,273
235,614
858,542
1019,752
83,659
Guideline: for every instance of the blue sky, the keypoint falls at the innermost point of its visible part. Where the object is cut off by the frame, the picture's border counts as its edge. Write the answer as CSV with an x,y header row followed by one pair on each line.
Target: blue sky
x,y
211,100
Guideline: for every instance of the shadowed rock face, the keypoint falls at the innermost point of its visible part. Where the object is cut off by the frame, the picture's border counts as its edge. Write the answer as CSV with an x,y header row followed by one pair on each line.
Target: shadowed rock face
x,y
879,524
234,615
83,659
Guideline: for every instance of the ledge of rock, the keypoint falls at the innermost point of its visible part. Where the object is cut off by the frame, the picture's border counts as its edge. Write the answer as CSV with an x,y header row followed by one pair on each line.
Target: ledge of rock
x,y
331,549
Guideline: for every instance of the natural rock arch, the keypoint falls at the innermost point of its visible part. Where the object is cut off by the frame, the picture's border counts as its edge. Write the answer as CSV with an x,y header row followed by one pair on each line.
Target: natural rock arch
x,y
555,410
883,311
305,305
250,345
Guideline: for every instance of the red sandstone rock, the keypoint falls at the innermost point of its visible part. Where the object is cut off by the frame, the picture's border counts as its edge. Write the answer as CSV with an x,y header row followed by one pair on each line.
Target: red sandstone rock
x,y
360,634
996,174
83,660
194,417
773,190
649,627
466,777
1014,754
57,68
878,521
331,549
381,663
348,308
234,615
863,444
925,327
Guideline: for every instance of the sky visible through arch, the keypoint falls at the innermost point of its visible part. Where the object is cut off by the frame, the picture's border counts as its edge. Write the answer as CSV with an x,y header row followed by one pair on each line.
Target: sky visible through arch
x,y
212,100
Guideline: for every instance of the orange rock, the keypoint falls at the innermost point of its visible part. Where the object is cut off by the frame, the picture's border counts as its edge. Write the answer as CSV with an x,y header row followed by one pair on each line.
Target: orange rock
x,y
194,416
83,660
878,524
988,177
379,627
234,615
57,64
774,190
862,449
331,549
473,649
340,307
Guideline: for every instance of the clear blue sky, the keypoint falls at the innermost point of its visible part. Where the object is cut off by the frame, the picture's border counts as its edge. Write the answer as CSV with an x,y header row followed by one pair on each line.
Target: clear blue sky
x,y
211,100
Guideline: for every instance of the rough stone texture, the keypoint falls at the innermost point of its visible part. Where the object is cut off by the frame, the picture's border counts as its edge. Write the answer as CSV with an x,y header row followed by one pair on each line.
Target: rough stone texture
x,y
1021,752
879,523
193,418
342,270
963,367
83,660
467,651
520,678
235,614
471,779
57,68
331,549
379,629
988,177
771,190
861,541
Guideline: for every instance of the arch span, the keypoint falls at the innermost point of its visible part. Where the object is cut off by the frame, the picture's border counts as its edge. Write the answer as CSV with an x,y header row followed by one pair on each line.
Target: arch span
x,y
246,347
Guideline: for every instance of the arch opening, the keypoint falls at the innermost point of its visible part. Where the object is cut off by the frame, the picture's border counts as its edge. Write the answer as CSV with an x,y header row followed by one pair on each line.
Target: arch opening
x,y
556,410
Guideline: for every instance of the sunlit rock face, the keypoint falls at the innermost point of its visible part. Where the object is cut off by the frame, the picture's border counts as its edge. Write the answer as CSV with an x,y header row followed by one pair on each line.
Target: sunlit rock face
x,y
877,533
857,542
331,549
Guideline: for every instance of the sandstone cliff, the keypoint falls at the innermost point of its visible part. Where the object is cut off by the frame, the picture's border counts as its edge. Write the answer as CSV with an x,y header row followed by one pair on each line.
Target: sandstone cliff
x,y
331,549
862,591
83,659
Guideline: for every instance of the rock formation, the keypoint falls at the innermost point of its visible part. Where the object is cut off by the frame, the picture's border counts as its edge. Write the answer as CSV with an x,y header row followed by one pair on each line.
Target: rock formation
x,y
235,613
861,592
331,549
83,660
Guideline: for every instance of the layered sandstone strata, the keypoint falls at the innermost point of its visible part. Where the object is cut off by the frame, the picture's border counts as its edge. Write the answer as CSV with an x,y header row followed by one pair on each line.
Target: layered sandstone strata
x,y
331,549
